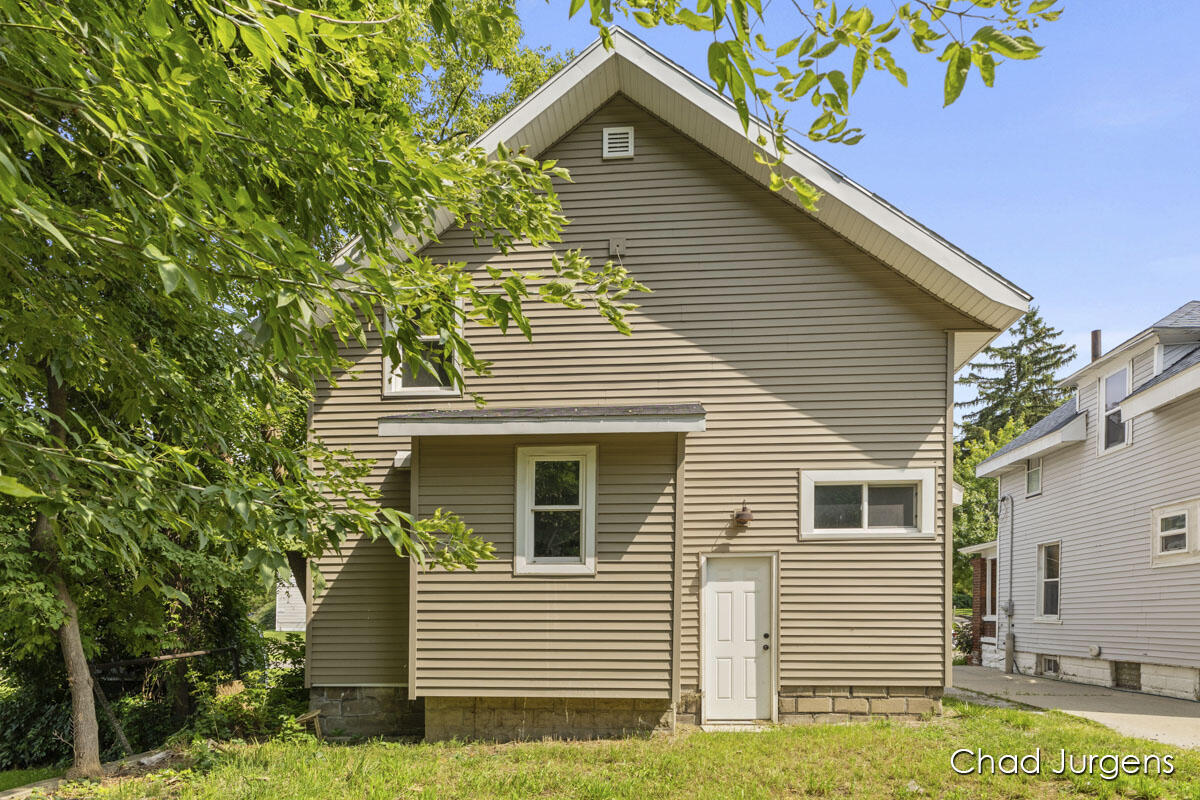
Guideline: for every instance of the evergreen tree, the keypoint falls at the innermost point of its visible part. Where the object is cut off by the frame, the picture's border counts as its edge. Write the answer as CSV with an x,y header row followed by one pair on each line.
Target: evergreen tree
x,y
1016,381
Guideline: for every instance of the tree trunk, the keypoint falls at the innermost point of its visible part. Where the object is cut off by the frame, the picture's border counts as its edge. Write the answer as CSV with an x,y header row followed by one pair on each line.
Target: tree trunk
x,y
79,678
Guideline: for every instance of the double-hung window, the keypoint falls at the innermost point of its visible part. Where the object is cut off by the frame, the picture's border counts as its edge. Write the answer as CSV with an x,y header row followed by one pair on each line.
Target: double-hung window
x,y
1114,432
867,503
1033,477
1174,537
556,510
1049,580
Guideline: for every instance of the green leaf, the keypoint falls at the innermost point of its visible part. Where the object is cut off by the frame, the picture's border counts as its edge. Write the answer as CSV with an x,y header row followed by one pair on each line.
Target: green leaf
x,y
13,488
171,275
1040,5
694,21
838,81
1020,48
958,65
860,67
787,47
156,19
718,64
987,69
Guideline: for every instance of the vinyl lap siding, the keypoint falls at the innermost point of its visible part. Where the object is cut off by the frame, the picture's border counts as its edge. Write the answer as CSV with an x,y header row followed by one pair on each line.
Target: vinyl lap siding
x,y
493,633
1099,506
806,353
357,633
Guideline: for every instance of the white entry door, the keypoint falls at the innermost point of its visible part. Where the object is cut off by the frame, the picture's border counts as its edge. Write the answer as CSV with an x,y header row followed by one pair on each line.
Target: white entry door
x,y
738,641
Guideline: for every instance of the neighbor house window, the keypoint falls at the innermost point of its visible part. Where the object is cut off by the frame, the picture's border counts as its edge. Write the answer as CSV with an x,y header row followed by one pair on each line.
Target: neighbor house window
x,y
1113,389
1049,582
556,510
1033,477
873,502
1174,537
427,378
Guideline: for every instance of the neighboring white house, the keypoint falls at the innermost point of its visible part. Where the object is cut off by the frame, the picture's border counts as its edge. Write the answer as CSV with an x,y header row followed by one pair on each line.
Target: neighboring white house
x,y
1096,566
289,606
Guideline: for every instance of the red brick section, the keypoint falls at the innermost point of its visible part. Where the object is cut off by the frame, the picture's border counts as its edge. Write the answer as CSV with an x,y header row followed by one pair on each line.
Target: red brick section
x,y
978,586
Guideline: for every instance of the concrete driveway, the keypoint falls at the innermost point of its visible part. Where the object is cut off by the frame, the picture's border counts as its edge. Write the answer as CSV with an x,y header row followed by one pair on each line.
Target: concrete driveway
x,y
1146,716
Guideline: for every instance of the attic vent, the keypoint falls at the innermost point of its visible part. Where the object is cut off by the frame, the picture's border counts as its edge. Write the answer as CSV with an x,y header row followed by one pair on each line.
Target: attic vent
x,y
618,142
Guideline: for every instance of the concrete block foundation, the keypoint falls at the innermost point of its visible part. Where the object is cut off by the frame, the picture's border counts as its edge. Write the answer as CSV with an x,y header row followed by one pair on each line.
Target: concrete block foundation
x,y
515,718
360,711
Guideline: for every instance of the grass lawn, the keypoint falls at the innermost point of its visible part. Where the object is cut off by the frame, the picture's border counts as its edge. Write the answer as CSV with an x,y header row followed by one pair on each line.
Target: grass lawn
x,y
19,777
873,760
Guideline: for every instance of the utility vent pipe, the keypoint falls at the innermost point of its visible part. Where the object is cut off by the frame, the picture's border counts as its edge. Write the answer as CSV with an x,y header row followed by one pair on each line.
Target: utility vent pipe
x,y
1097,349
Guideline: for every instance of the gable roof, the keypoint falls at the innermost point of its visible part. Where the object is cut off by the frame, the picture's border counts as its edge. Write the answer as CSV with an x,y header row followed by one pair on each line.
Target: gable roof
x,y
691,106
1181,326
1047,434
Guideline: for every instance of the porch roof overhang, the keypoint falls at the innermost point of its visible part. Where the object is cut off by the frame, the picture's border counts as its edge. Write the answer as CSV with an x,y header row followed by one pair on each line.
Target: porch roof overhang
x,y
985,549
1072,432
651,418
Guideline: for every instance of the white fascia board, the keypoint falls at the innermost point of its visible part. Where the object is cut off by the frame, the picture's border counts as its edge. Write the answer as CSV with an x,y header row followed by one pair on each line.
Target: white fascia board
x,y
539,426
1170,390
1074,431
983,549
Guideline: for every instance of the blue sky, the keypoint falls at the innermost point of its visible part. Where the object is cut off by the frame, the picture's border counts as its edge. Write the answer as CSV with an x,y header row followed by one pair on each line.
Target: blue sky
x,y
1077,176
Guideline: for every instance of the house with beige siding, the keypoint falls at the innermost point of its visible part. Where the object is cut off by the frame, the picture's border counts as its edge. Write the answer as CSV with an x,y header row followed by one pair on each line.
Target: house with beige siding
x,y
1095,573
738,513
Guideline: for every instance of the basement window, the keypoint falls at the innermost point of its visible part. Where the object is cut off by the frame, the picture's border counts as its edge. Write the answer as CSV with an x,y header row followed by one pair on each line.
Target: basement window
x,y
1047,665
618,142
556,511
867,503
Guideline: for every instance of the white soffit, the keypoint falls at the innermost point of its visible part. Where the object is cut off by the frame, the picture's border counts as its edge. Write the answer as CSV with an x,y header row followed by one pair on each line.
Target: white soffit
x,y
1073,431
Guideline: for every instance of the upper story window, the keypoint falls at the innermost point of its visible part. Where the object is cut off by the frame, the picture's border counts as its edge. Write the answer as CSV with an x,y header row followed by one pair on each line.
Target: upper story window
x,y
1033,477
1174,537
1049,580
867,503
428,378
1114,432
556,511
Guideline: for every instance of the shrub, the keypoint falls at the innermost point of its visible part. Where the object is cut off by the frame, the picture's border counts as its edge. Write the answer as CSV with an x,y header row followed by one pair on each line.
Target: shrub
x,y
262,705
961,636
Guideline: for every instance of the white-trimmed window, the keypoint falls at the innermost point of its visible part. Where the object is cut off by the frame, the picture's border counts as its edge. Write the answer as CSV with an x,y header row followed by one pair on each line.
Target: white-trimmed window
x,y
1033,476
1174,537
1049,581
405,380
556,511
1113,388
867,503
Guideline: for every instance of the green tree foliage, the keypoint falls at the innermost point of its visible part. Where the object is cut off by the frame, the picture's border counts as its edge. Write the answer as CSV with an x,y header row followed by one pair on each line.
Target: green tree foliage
x,y
975,519
816,53
172,180
1016,381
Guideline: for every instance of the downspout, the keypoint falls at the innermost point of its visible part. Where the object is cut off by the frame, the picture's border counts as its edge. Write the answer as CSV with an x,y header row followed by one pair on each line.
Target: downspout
x,y
1010,639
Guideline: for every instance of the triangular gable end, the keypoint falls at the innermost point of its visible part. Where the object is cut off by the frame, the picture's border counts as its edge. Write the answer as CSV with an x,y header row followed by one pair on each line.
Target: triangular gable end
x,y
691,106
